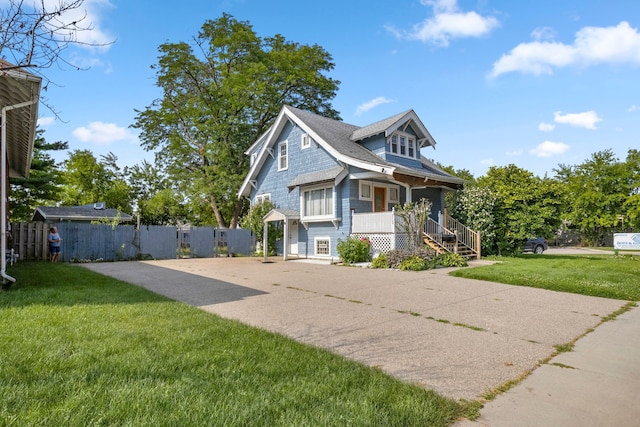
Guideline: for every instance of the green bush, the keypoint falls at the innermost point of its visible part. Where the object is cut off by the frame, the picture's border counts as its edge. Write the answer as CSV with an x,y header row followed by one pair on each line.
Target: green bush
x,y
450,260
380,261
354,250
413,263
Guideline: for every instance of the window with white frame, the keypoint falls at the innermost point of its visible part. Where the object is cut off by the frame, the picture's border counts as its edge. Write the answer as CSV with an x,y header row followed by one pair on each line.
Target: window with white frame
x,y
305,142
394,195
322,246
283,156
394,143
404,145
365,190
261,198
318,202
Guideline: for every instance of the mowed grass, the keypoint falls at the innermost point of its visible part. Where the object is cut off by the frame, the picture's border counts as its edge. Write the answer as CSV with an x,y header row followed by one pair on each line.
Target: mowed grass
x,y
81,349
607,276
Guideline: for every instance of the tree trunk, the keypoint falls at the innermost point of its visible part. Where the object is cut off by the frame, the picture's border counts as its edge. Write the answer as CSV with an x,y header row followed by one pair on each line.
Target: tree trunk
x,y
219,218
237,211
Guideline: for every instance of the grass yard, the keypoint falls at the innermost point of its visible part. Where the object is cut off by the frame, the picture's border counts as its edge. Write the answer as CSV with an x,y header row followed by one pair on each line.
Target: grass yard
x,y
607,276
81,349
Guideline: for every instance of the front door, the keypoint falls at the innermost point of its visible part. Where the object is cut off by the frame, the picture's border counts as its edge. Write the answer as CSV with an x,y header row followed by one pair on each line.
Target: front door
x,y
379,199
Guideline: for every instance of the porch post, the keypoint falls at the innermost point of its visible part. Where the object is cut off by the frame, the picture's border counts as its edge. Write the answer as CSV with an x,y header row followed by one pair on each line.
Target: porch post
x,y
285,240
265,240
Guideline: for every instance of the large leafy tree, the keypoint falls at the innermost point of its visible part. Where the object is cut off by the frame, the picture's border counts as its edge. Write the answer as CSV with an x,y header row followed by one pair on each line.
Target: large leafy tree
x,y
43,186
525,206
89,180
219,95
603,191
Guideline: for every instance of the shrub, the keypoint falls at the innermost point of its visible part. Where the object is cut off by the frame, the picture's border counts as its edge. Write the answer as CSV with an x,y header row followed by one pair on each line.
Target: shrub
x,y
354,250
450,260
413,263
380,261
396,256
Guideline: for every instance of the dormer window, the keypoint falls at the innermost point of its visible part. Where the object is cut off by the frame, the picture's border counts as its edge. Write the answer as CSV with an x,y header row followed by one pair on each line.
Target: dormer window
x,y
403,145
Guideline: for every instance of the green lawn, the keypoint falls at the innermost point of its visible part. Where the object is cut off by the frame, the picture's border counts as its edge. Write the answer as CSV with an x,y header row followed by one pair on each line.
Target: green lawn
x,y
606,276
80,349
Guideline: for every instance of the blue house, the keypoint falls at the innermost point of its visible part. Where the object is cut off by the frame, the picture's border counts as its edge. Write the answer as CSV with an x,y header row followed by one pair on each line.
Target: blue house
x,y
329,180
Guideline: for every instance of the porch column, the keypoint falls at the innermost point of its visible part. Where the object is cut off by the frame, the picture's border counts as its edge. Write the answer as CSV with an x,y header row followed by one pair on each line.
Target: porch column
x,y
285,239
409,195
265,241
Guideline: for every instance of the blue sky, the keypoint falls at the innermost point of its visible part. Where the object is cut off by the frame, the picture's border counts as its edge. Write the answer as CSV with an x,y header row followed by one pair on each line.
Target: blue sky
x,y
535,84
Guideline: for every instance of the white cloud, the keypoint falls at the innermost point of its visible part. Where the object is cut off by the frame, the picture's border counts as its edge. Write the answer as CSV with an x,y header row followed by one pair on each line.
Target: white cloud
x,y
633,108
546,127
514,153
587,120
549,149
363,108
46,121
543,33
447,23
487,162
592,45
103,133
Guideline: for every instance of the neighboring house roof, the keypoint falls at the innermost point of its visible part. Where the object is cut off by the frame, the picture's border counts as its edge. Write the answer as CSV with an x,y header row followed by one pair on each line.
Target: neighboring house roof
x,y
19,95
78,213
339,139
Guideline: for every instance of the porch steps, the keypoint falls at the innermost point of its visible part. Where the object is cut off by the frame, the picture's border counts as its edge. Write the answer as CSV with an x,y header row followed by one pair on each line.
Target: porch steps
x,y
449,247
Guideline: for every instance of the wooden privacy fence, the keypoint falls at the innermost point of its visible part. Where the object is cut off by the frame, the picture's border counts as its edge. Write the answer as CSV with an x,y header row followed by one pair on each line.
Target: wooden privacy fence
x,y
85,242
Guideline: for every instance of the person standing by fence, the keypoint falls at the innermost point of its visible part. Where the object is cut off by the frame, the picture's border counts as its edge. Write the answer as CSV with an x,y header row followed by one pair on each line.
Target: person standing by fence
x,y
54,244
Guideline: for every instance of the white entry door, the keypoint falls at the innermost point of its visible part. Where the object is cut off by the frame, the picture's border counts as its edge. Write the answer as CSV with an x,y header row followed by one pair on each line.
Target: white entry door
x,y
293,237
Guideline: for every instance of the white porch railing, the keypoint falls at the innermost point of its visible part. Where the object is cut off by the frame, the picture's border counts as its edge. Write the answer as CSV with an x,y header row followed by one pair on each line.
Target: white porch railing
x,y
375,222
387,226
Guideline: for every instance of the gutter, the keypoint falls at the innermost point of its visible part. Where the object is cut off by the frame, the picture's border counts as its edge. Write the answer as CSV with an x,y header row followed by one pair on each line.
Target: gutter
x,y
3,189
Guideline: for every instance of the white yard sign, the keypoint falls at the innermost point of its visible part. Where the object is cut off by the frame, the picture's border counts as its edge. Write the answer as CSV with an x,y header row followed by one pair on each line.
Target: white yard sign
x,y
626,241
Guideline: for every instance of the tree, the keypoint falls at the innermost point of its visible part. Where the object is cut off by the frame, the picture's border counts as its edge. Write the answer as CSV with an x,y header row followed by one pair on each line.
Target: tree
x,y
43,186
525,206
475,207
253,221
603,190
87,180
219,96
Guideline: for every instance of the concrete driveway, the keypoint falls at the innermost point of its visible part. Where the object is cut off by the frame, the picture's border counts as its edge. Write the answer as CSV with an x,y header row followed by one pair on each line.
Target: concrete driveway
x,y
459,337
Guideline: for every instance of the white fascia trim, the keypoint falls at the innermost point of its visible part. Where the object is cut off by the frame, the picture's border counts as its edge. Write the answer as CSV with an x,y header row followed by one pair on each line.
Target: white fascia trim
x,y
404,120
257,165
383,169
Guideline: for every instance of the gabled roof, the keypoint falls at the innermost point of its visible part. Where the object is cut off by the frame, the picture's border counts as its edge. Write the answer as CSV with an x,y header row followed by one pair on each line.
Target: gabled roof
x,y
19,95
339,139
77,213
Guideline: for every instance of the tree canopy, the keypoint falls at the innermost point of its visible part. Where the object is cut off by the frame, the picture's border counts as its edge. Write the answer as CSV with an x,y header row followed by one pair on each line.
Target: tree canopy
x,y
218,96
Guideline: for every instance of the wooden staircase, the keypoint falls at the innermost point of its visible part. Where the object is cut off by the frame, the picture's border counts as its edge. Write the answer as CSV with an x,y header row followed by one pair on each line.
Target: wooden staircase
x,y
453,237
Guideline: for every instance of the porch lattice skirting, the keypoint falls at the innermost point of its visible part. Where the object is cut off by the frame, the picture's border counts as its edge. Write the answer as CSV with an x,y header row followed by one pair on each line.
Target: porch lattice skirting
x,y
385,242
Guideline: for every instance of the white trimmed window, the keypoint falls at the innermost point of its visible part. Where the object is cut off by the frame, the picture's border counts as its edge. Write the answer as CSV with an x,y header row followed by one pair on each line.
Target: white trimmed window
x,y
365,190
283,156
403,145
261,198
318,202
305,142
394,195
322,246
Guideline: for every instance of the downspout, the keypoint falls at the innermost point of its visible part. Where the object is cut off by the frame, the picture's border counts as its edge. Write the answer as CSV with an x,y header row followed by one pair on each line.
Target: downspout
x,y
3,192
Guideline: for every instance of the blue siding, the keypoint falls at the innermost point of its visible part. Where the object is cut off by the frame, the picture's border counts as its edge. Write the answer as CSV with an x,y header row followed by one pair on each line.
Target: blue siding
x,y
435,195
376,144
302,161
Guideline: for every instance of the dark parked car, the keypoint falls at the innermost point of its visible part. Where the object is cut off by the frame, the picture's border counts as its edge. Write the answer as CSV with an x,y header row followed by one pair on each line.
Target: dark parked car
x,y
536,245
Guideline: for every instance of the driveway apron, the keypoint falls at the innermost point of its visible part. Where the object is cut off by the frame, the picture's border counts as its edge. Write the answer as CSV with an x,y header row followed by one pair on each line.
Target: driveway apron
x,y
459,337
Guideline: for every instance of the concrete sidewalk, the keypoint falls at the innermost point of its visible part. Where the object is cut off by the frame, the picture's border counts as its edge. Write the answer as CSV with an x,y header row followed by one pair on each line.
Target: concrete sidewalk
x,y
459,337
